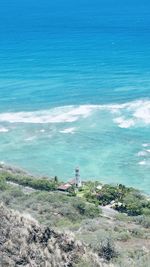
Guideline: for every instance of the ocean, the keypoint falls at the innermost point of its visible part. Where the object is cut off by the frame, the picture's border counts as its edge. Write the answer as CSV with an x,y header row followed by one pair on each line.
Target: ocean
x,y
75,89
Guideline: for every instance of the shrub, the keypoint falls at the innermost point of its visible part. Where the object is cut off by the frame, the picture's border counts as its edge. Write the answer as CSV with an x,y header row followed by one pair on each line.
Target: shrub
x,y
143,220
16,192
72,191
134,204
110,192
39,184
134,209
90,197
107,250
88,210
80,206
123,236
146,211
122,217
92,211
3,184
136,232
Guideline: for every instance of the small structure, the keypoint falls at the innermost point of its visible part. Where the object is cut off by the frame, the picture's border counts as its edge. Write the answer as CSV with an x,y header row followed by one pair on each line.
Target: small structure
x,y
64,187
78,178
76,182
99,187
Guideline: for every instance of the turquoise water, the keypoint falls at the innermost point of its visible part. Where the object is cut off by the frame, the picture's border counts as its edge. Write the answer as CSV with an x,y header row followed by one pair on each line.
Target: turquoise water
x,y
75,89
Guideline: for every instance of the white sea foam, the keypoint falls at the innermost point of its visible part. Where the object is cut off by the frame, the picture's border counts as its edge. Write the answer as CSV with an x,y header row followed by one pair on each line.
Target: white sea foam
x,y
124,115
31,138
146,145
68,130
56,115
131,114
123,123
142,153
143,162
3,130
143,112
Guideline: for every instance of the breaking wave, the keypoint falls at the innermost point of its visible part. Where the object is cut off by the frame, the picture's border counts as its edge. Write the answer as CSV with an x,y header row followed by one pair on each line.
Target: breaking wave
x,y
3,130
68,130
55,115
125,115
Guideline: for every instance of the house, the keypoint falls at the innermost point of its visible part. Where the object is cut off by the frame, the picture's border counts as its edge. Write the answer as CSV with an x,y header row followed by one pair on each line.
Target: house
x,y
73,182
64,187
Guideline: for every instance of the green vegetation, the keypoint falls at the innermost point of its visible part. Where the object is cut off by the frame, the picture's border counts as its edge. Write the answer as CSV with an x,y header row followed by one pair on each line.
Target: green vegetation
x,y
134,204
123,199
110,193
3,184
143,220
38,184
121,240
86,209
48,207
107,250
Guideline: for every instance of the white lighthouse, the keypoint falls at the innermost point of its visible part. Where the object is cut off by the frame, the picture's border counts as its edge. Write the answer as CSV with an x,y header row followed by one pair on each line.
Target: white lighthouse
x,y
78,178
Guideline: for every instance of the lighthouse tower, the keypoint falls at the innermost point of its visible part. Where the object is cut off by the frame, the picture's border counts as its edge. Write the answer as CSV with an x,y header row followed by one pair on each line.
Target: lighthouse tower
x,y
78,178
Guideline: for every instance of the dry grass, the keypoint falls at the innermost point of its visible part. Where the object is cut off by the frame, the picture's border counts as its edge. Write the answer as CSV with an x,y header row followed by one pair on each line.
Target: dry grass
x,y
23,242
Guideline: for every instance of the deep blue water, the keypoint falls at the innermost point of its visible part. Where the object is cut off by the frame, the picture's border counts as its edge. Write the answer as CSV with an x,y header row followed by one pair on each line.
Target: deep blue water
x,y
65,65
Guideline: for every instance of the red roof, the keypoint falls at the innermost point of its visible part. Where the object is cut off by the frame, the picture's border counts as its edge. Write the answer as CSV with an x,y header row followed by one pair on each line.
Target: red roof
x,y
64,187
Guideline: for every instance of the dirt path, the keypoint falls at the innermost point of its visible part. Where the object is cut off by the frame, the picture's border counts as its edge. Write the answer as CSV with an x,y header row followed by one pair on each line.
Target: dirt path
x,y
108,212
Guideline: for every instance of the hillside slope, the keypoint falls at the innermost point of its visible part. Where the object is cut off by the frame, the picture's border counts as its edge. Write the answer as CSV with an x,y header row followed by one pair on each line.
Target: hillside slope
x,y
23,242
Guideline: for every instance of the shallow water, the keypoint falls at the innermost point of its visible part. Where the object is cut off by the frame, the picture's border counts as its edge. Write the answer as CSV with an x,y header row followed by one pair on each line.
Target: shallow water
x,y
74,89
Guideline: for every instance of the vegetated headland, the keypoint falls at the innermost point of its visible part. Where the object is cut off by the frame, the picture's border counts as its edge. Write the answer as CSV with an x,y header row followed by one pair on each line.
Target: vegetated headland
x,y
112,223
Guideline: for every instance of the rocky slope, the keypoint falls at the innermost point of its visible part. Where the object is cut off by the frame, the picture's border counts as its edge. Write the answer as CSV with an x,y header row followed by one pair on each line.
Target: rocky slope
x,y
23,242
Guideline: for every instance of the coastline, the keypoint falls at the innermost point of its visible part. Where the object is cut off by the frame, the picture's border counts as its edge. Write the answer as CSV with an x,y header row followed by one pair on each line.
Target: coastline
x,y
85,214
19,171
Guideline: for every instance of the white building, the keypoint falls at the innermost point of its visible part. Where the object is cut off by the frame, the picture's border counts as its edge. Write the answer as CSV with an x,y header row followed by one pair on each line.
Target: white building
x,y
78,178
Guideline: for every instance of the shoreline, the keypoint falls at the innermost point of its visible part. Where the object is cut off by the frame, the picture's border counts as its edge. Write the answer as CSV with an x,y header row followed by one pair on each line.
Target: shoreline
x,y
18,171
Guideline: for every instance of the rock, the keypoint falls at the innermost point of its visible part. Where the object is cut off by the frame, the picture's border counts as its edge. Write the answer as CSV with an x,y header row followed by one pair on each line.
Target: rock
x,y
23,242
